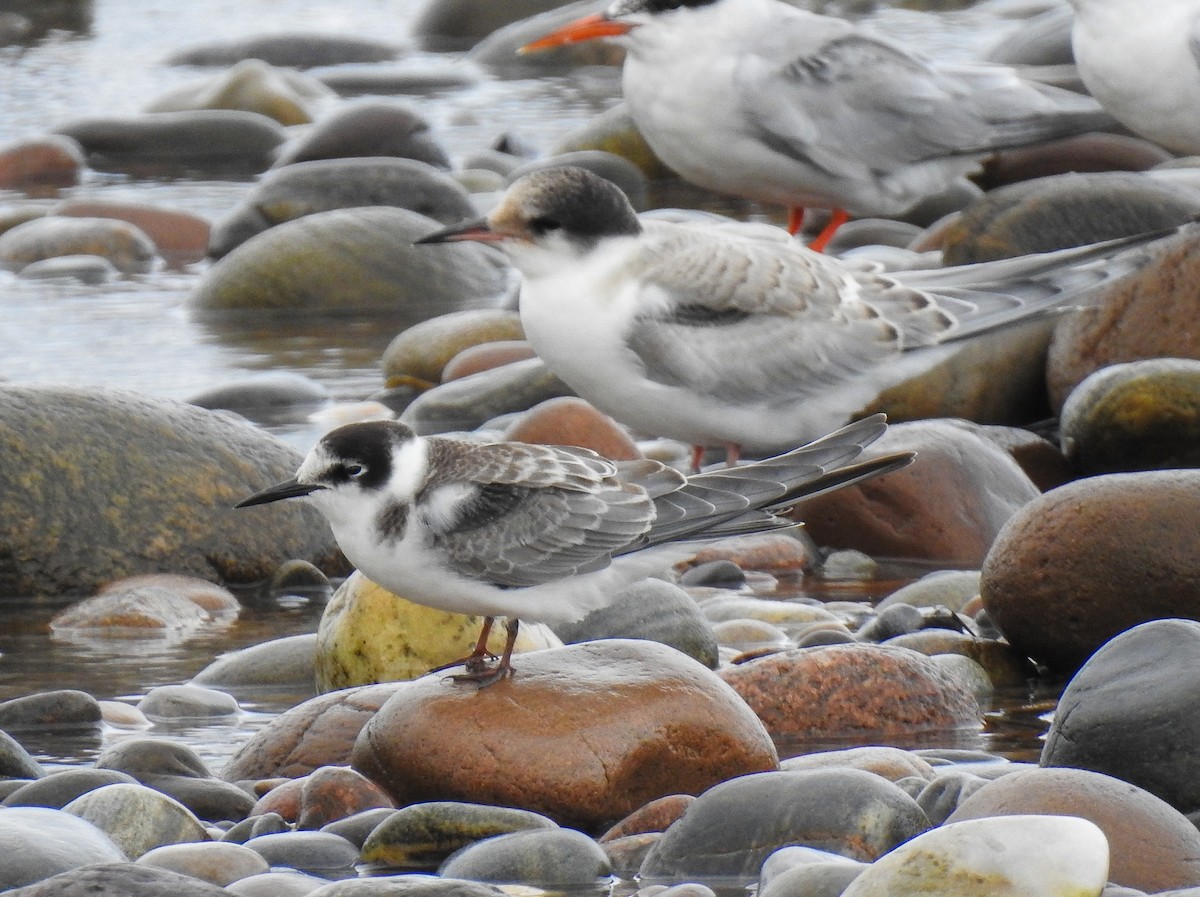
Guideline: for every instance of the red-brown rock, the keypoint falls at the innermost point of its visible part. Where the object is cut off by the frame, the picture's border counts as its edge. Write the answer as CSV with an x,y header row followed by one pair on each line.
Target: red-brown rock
x,y
48,161
181,237
583,734
486,356
568,420
323,796
655,816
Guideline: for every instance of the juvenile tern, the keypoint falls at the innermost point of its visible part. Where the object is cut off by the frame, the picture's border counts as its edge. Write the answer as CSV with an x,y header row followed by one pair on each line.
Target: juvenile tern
x,y
759,99
729,336
1142,62
541,533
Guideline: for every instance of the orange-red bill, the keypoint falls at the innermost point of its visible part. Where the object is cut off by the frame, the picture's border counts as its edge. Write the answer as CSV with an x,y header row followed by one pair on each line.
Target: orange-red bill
x,y
587,28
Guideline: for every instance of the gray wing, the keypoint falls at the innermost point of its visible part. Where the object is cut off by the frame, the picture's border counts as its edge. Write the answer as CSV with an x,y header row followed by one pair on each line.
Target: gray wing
x,y
855,105
765,322
526,514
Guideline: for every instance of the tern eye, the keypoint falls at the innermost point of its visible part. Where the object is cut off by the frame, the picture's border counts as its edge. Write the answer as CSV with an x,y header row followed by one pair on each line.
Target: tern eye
x,y
354,471
543,224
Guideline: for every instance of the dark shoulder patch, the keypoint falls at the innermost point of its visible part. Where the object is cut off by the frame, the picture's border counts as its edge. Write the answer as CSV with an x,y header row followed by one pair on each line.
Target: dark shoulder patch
x,y
490,502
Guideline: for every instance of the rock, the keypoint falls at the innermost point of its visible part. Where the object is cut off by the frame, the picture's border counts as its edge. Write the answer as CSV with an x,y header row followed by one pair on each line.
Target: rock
x,y
1130,713
319,732
39,843
213,141
486,357
469,403
654,817
569,420
290,49
357,827
1093,152
119,880
422,836
817,878
1040,458
287,662
277,884
367,635
1013,856
180,237
1132,318
128,249
459,24
36,162
323,796
87,269
152,603
891,622
177,772
188,702
814,694
62,786
998,661
1050,213
942,796
398,79
124,484
317,852
950,589
252,86
410,886
418,355
267,398
786,552
669,727
367,128
613,131
948,506
1152,846
733,827
1141,415
547,858
356,260
215,862
649,609
891,763
1062,580
137,818
62,709
256,826
15,761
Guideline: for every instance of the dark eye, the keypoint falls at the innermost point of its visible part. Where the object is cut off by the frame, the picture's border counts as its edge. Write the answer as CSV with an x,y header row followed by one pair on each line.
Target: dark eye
x,y
542,225
353,471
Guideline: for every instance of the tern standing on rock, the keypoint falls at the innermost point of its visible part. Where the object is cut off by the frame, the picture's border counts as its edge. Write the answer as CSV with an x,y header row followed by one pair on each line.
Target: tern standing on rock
x,y
734,335
759,99
541,533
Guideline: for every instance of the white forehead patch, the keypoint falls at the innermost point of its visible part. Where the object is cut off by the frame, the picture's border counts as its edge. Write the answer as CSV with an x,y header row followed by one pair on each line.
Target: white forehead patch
x,y
410,464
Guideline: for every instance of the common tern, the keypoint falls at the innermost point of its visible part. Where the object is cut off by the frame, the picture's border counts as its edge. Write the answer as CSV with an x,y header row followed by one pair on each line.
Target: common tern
x,y
541,533
1142,62
736,335
759,99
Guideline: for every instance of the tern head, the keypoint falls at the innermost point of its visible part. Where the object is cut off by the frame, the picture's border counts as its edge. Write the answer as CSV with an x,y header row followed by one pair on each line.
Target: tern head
x,y
354,465
618,20
550,214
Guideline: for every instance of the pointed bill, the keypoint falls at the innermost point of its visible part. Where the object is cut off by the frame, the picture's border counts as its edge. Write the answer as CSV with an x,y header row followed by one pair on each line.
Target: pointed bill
x,y
585,29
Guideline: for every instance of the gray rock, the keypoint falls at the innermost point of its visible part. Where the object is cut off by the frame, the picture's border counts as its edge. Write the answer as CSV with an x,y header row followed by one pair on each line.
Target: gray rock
x,y
368,128
459,24
279,662
137,818
276,884
942,588
15,762
61,708
118,879
293,49
899,619
216,862
188,702
267,397
359,826
124,484
408,886
85,268
255,826
37,843
318,852
62,786
548,858
125,246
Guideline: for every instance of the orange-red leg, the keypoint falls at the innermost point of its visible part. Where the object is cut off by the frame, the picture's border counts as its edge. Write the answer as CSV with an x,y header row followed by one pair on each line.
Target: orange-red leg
x,y
836,219
795,219
481,674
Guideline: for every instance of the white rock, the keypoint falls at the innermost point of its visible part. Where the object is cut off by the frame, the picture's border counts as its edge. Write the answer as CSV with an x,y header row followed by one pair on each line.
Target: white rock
x,y
1001,856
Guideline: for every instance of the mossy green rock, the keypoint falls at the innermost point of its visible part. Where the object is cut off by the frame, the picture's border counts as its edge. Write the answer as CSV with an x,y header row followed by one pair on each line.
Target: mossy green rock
x,y
355,260
100,484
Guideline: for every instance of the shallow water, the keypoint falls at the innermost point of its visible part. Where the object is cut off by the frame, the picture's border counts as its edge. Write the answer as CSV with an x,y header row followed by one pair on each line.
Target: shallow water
x,y
140,333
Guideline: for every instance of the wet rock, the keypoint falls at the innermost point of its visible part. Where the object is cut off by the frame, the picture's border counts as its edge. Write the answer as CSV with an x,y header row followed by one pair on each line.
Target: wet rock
x,y
388,80
1041,459
669,727
487,356
1141,415
255,826
818,693
319,732
367,128
323,796
124,484
125,246
152,603
1153,847
422,836
891,763
650,609
1050,213
215,862
252,86
613,131
418,355
721,574
178,772
732,828
137,818
89,269
569,420
1002,665
950,589
39,843
208,141
63,708
62,786
816,878
292,49
358,259
37,162
459,24
357,827
890,622
550,858
317,852
656,816
277,884
1093,152
1062,580
267,397
470,402
180,237
190,702
1130,712
722,605
367,634
410,886
949,788
119,879
773,552
1014,856
283,662
1133,318
948,506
